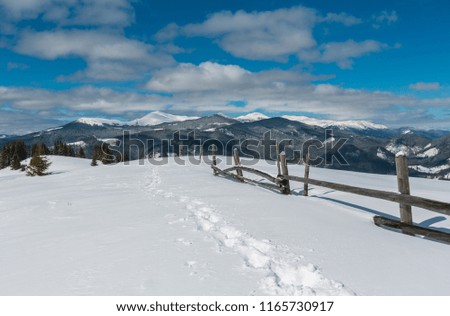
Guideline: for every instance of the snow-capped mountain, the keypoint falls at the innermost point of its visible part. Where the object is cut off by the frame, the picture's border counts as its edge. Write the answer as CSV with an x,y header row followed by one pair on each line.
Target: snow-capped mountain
x,y
369,148
157,117
153,118
361,125
97,121
252,117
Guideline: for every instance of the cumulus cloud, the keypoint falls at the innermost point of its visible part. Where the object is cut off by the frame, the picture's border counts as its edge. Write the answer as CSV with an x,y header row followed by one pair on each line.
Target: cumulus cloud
x,y
423,86
89,29
206,76
110,56
276,35
264,35
384,17
71,12
12,66
276,92
343,18
342,53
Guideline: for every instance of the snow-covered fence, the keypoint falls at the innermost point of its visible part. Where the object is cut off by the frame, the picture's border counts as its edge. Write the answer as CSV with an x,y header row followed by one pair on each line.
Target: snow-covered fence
x,y
404,198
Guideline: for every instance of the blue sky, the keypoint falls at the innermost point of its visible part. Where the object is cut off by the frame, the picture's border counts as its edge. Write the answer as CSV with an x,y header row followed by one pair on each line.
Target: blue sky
x,y
383,61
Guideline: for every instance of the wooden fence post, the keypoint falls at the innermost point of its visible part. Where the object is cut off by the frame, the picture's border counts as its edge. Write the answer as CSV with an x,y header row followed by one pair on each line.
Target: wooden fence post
x,y
214,159
277,153
306,164
237,162
284,170
403,187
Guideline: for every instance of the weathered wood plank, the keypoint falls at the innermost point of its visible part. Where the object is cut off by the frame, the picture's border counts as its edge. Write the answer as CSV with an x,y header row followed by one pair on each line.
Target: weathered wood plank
x,y
305,185
436,206
237,162
214,158
277,153
412,229
285,173
254,171
227,172
401,165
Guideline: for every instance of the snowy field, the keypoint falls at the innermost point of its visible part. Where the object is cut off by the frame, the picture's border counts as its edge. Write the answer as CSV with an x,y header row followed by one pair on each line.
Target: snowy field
x,y
178,230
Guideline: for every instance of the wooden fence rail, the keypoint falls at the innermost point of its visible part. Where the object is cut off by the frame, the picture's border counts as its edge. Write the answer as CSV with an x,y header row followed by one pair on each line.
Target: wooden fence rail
x,y
404,198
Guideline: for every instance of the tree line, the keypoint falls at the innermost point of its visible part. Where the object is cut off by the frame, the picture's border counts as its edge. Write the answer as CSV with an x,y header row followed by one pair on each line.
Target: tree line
x,y
14,152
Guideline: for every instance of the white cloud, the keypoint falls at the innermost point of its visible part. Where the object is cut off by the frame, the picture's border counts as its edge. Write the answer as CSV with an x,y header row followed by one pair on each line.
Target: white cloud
x,y
110,56
423,86
264,35
343,18
276,92
206,76
89,29
276,35
214,77
71,12
342,53
12,66
384,17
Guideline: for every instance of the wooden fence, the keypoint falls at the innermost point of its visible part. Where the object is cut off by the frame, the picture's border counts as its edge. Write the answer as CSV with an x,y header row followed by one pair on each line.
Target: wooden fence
x,y
281,183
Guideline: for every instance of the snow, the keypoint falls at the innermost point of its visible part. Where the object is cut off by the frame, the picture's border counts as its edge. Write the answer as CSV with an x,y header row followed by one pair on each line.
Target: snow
x,y
178,230
432,170
361,125
429,153
97,121
381,154
252,117
225,131
407,150
153,118
53,129
78,144
111,141
157,117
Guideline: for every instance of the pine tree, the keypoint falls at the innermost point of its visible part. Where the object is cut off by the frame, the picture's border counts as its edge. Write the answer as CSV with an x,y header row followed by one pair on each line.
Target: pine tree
x,y
106,156
94,161
21,150
95,155
4,158
81,153
15,163
38,166
40,149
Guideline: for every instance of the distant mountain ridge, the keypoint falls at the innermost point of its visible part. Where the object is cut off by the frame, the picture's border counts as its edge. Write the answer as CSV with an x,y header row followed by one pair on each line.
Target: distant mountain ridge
x,y
153,118
158,117
369,147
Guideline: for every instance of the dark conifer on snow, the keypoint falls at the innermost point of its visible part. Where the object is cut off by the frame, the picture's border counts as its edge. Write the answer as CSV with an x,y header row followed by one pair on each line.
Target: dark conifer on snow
x,y
38,166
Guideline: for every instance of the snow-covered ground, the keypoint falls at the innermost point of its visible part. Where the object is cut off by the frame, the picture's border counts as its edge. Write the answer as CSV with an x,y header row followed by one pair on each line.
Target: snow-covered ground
x,y
178,230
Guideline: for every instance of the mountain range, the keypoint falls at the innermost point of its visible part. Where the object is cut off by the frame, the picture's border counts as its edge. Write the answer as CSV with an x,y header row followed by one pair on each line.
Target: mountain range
x,y
369,147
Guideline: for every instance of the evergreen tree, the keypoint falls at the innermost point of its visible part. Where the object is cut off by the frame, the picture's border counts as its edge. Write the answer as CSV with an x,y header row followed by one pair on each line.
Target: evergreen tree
x,y
38,166
81,153
15,163
4,158
94,161
96,155
21,150
40,149
106,156
12,154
